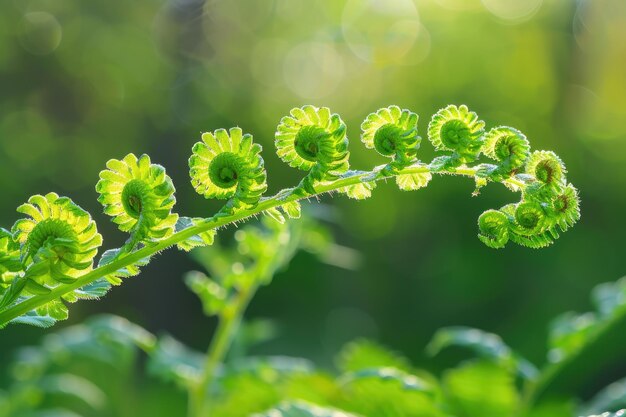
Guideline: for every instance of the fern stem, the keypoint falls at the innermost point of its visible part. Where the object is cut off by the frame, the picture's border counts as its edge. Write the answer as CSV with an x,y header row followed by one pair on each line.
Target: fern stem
x,y
214,222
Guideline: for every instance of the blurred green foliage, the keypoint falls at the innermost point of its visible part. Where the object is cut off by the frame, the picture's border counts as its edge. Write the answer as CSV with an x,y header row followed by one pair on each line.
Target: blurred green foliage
x,y
57,377
81,82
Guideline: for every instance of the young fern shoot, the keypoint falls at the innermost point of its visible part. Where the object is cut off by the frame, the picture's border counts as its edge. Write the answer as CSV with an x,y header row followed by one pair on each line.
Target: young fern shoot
x,y
47,258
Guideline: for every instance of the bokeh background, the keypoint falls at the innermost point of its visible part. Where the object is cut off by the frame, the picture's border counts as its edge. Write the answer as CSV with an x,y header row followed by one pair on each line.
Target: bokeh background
x,y
82,82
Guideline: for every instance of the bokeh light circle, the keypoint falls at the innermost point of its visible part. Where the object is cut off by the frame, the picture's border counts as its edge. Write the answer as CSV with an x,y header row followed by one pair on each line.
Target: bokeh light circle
x,y
380,31
313,69
40,33
513,10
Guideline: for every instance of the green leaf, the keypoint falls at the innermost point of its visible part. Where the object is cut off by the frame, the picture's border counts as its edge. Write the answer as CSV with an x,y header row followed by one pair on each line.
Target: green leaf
x,y
203,239
407,381
275,214
485,344
33,318
55,309
609,297
293,209
569,333
302,409
125,272
276,364
92,291
554,408
74,386
14,290
107,338
252,332
611,397
364,354
391,393
480,388
121,331
359,191
408,182
57,412
212,294
620,413
172,361
36,288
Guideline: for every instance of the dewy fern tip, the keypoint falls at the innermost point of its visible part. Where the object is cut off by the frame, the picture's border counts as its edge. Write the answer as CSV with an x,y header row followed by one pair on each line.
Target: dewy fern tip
x,y
47,258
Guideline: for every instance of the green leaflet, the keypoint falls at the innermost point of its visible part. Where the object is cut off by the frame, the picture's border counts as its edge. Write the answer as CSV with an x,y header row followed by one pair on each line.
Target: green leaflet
x,y
33,318
75,386
302,409
487,345
259,365
359,191
365,354
480,388
57,412
571,332
171,361
411,182
55,309
620,413
130,270
380,394
41,389
91,291
612,397
212,294
405,380
202,239
289,210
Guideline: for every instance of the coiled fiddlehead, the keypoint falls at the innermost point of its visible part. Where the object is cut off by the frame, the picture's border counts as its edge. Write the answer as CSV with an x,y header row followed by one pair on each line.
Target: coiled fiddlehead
x,y
528,224
565,208
393,133
494,229
228,165
509,147
314,140
549,172
139,196
458,130
59,240
48,257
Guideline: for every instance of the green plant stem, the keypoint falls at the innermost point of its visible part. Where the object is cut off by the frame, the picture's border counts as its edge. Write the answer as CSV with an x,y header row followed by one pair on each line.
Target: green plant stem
x,y
534,389
229,322
212,223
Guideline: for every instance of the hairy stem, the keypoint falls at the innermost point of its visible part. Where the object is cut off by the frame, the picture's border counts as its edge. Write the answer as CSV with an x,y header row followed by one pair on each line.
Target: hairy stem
x,y
215,222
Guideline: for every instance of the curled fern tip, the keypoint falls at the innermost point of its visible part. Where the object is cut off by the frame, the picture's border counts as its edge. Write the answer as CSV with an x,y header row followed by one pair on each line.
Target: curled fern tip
x,y
228,165
139,196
